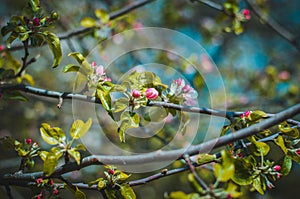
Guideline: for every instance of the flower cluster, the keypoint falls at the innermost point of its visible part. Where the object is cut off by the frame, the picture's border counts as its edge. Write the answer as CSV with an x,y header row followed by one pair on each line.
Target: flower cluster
x,y
246,114
150,93
184,91
99,74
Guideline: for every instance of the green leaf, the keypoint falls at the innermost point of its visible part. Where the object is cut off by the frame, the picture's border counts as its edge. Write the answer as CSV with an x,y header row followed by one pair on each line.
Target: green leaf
x,y
43,154
225,171
205,158
105,99
128,120
127,192
243,170
280,142
101,183
155,114
52,160
232,189
285,128
54,45
35,5
286,165
259,148
258,185
110,193
182,195
53,135
79,194
120,105
80,147
70,68
102,15
121,175
76,55
75,155
88,22
79,128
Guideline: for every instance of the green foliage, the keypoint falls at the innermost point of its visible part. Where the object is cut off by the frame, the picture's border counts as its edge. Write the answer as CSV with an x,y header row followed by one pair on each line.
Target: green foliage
x,y
56,136
34,27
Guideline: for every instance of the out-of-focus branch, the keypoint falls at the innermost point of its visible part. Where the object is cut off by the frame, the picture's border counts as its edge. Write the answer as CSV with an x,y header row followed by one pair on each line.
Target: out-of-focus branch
x,y
113,15
162,155
280,30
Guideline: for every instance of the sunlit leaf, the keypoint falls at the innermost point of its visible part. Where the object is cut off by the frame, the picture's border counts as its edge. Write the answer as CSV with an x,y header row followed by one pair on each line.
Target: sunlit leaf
x,y
80,147
70,68
51,160
205,158
52,135
54,45
258,185
120,105
101,183
225,171
88,22
35,5
43,154
127,192
75,155
280,142
102,15
76,55
79,128
194,183
285,128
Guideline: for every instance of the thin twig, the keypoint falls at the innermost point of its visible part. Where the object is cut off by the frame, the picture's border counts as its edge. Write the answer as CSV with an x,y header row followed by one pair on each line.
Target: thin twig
x,y
196,176
8,192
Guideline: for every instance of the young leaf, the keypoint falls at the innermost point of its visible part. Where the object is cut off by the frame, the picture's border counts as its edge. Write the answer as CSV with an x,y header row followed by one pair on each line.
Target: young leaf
x,y
43,154
51,160
286,166
54,45
76,55
79,194
102,15
280,142
285,128
79,128
120,104
70,68
53,135
88,22
205,158
75,155
35,5
127,192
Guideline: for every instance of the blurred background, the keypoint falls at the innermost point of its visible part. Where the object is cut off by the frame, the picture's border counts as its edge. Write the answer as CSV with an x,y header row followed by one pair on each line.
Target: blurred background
x,y
260,70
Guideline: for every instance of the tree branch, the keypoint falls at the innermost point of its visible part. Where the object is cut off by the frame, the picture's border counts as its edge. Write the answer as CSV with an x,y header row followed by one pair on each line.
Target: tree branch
x,y
112,16
74,96
280,30
162,155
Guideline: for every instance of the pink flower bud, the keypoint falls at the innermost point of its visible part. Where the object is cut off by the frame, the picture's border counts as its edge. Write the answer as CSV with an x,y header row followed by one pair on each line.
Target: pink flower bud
x,y
136,93
56,192
2,47
284,75
39,180
229,196
28,141
36,21
94,64
1,95
298,152
35,145
246,114
107,79
246,13
100,71
277,168
111,171
151,93
51,182
278,175
178,81
187,88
